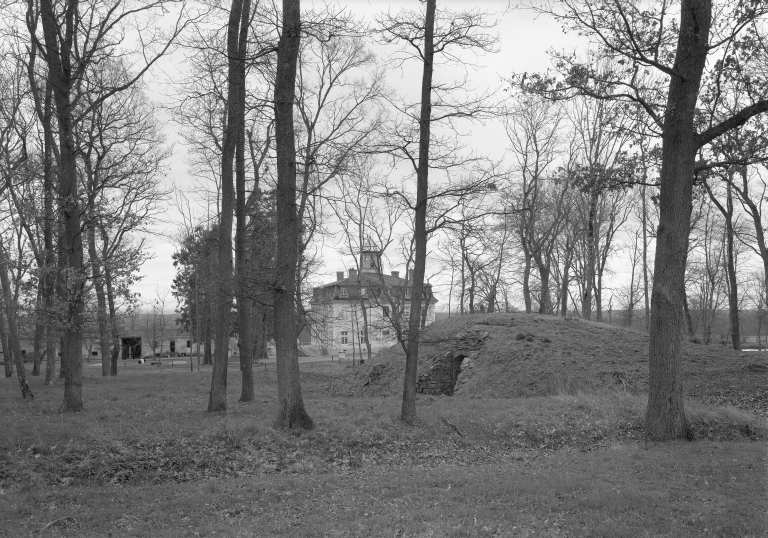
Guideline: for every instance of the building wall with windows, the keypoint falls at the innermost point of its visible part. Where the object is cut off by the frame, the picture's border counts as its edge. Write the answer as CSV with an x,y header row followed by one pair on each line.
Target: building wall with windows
x,y
337,320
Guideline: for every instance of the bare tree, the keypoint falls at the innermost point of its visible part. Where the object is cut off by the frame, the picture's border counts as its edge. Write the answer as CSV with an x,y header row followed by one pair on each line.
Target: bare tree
x,y
237,39
680,52
10,304
291,412
428,35
533,126
727,211
75,37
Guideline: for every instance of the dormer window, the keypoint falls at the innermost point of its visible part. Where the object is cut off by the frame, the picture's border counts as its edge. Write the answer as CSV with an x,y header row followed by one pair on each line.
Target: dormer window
x,y
344,291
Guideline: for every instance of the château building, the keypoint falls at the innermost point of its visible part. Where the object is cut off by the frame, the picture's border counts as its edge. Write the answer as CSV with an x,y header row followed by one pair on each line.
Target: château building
x,y
341,310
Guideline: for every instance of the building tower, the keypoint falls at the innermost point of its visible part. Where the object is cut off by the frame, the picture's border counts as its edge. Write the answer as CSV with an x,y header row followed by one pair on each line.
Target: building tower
x,y
370,259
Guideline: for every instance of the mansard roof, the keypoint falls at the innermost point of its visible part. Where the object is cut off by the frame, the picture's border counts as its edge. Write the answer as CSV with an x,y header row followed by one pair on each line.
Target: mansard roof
x,y
353,285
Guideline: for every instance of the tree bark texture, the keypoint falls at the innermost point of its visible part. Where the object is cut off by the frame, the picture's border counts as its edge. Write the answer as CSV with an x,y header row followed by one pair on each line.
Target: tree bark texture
x,y
733,289
291,412
50,270
13,330
59,37
589,263
545,305
7,352
665,415
567,261
101,300
235,110
37,355
646,288
527,284
408,410
242,252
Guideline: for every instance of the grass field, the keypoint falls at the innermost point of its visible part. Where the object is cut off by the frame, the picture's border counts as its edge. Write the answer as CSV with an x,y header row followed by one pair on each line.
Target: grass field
x,y
145,459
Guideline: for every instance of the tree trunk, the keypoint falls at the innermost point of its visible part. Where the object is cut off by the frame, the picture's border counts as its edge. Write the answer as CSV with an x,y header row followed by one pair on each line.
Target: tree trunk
x,y
112,323
242,258
259,329
665,416
471,292
111,309
207,340
13,331
101,300
291,412
408,411
57,53
545,306
733,290
527,284
236,78
589,263
49,272
37,356
50,355
564,283
366,334
7,352
491,298
646,290
598,297
463,272
425,306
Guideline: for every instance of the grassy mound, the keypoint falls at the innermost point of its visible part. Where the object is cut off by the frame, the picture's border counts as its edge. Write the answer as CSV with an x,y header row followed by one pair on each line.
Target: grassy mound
x,y
514,355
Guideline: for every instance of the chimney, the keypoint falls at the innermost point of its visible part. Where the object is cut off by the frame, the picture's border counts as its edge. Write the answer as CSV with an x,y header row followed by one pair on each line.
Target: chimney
x,y
353,273
410,275
339,275
396,274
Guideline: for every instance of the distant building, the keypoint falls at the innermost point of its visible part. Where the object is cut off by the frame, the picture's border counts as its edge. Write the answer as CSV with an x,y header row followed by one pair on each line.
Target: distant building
x,y
337,319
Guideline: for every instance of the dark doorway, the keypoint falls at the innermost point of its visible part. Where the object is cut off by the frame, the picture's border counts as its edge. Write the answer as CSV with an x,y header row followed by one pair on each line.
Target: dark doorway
x,y
131,347
456,370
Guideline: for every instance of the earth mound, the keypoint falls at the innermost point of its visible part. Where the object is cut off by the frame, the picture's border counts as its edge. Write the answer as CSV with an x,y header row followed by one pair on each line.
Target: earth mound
x,y
513,355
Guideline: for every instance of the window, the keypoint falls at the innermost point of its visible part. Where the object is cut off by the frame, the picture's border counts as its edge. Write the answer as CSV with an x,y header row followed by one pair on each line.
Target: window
x,y
95,353
189,343
386,311
344,337
385,333
407,293
363,291
343,291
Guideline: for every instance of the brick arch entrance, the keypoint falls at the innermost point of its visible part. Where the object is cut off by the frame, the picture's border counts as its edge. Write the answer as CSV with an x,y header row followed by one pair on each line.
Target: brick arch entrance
x,y
444,374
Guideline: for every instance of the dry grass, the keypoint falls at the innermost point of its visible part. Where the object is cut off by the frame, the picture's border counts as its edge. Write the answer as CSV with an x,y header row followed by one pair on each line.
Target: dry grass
x,y
144,459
